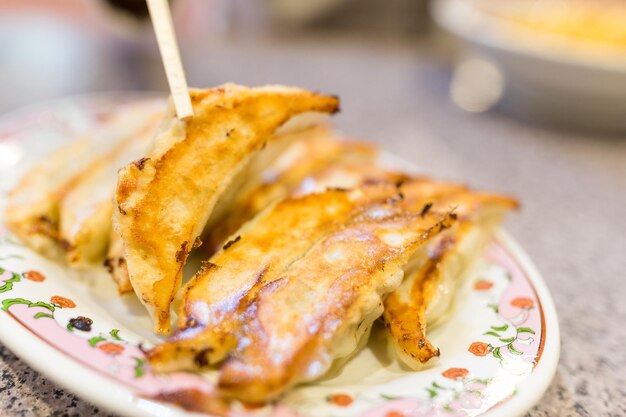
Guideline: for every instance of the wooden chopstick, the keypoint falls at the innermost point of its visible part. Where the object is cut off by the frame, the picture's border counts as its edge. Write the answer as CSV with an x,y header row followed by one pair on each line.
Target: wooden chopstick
x,y
166,38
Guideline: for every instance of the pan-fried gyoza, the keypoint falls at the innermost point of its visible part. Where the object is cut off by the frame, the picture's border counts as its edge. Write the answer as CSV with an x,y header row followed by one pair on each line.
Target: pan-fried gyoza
x,y
314,150
426,293
308,238
116,263
258,253
323,306
86,210
36,204
332,256
165,200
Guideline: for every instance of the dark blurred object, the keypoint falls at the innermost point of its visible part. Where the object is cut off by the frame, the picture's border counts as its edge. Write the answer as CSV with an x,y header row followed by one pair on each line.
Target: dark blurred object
x,y
136,8
373,17
53,48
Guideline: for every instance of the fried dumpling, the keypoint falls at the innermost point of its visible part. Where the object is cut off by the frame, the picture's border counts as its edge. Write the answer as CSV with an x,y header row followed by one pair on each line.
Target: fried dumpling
x,y
322,261
310,149
321,308
426,293
165,200
314,150
259,252
317,161
86,210
116,263
347,175
33,208
32,211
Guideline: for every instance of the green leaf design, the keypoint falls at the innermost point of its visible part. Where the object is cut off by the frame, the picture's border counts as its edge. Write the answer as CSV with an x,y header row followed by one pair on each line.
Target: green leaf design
x,y
436,385
509,277
501,328
496,353
387,397
513,350
525,330
139,370
490,333
494,307
42,315
8,284
93,341
42,304
115,335
431,392
6,304
508,340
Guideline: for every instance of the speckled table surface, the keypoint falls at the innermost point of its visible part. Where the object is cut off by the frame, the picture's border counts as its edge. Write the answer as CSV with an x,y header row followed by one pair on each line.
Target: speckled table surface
x,y
573,189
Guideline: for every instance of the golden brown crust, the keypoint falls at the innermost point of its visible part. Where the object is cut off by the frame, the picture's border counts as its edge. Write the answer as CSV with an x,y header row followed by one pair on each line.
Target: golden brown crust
x,y
164,206
347,175
116,264
34,209
264,248
87,208
320,308
314,150
332,284
278,267
405,309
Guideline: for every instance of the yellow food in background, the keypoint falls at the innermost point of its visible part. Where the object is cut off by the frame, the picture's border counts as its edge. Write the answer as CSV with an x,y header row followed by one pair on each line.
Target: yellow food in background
x,y
600,22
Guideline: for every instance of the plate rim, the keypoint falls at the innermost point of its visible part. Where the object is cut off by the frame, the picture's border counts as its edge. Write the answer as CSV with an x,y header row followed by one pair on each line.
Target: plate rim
x,y
544,372
58,367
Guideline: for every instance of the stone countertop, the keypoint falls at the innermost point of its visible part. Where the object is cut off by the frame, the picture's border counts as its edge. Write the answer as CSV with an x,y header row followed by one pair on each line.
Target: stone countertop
x,y
572,187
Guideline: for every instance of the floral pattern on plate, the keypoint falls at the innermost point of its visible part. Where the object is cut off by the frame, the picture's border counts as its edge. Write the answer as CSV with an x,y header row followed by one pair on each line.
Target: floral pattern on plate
x,y
513,343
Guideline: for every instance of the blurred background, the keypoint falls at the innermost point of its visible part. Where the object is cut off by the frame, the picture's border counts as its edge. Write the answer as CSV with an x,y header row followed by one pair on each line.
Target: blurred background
x,y
526,97
560,62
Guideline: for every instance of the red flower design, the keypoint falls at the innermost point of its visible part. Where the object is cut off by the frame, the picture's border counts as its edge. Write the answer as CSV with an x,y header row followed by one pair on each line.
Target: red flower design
x,y
62,302
342,400
455,373
483,285
479,348
394,413
34,276
111,348
522,302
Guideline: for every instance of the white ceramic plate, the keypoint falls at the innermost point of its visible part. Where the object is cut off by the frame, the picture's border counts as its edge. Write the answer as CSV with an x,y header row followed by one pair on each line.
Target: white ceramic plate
x,y
499,347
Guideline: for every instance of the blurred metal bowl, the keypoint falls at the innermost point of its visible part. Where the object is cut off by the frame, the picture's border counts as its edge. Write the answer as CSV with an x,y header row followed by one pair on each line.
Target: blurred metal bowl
x,y
534,77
